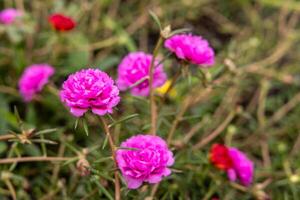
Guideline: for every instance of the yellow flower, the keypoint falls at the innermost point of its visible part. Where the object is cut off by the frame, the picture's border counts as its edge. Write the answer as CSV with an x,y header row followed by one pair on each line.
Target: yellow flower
x,y
163,89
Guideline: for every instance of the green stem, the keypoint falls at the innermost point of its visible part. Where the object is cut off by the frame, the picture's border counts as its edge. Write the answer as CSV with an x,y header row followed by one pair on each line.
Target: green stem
x,y
113,152
152,97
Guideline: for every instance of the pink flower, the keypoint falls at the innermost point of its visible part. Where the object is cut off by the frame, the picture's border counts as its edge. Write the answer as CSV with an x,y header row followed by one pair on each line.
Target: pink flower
x,y
235,162
90,89
9,15
148,161
33,80
243,168
191,48
135,67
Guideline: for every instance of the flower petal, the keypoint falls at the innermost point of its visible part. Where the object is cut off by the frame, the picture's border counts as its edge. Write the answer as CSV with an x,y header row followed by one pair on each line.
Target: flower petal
x,y
78,112
132,183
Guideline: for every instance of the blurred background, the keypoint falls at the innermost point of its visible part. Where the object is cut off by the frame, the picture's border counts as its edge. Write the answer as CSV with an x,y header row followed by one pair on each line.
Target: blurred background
x,y
250,101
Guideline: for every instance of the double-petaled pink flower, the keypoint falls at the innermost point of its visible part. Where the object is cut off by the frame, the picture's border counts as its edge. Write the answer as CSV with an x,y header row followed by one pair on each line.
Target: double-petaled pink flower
x,y
236,163
90,89
148,161
9,15
191,48
133,73
33,80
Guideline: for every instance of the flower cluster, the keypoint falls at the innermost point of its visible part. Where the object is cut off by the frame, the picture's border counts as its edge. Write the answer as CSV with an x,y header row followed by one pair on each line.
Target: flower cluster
x,y
192,49
33,80
133,72
235,162
141,158
90,89
148,161
61,22
9,15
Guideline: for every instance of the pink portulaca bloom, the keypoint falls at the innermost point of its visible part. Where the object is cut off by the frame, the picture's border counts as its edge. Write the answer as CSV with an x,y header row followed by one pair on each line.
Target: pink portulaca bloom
x,y
90,89
235,162
134,68
242,169
148,161
33,79
192,49
9,15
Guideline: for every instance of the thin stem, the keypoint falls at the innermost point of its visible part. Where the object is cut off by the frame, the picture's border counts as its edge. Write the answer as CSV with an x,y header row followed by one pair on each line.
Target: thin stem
x,y
8,90
216,132
178,118
152,97
11,189
56,168
194,130
113,152
32,159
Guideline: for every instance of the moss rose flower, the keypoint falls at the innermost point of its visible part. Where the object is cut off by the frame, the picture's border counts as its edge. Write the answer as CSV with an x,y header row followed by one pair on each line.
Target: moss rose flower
x,y
235,162
219,157
61,22
191,48
33,80
9,15
147,162
134,68
243,168
90,89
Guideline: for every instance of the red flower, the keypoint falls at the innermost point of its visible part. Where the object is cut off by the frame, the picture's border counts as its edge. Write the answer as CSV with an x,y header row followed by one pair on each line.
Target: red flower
x,y
61,22
219,157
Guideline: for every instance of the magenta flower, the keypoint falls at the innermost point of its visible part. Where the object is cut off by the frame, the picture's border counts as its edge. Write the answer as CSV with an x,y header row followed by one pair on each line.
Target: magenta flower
x,y
90,89
242,169
148,161
191,48
9,15
33,80
134,68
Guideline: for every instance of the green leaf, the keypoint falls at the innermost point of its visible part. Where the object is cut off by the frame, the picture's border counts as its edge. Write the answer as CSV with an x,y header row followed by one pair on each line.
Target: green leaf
x,y
105,142
99,173
3,147
155,18
51,130
95,180
103,159
85,127
19,120
71,147
43,141
76,123
123,120
128,148
178,31
70,161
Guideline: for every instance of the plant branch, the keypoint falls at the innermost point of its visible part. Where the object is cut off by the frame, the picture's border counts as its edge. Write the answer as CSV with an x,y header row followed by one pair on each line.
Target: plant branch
x,y
113,151
33,159
216,132
153,110
11,189
6,137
